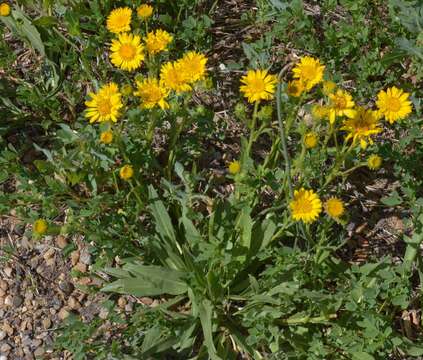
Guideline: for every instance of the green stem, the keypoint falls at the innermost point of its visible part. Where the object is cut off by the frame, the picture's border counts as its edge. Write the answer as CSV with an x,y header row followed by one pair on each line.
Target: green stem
x,y
252,128
283,139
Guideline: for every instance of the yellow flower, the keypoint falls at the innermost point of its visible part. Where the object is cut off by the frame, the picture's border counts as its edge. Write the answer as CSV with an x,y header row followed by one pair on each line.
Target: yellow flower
x,y
144,11
319,111
106,137
309,70
310,140
193,64
393,104
4,9
258,85
295,88
152,93
105,105
328,87
173,77
305,206
334,207
127,52
374,162
157,41
362,126
234,167
126,172
119,20
341,104
40,226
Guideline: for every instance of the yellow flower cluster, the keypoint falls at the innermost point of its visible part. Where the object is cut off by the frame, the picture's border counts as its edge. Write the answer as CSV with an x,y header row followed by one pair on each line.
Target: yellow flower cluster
x,y
127,52
307,206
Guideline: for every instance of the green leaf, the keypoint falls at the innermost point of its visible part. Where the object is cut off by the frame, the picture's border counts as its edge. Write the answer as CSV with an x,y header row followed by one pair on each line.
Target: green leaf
x,y
360,355
19,24
147,281
245,225
206,312
415,350
163,223
392,200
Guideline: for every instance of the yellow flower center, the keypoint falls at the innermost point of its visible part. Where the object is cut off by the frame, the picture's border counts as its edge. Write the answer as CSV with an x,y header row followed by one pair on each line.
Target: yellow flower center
x,y
393,104
308,72
257,85
104,107
127,52
340,102
303,206
152,94
335,208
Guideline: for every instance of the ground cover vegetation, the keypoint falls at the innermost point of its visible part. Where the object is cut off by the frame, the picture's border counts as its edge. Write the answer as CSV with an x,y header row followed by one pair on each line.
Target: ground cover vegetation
x,y
246,244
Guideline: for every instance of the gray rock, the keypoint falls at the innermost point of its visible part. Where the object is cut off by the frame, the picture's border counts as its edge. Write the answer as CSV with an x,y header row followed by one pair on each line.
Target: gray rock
x,y
17,301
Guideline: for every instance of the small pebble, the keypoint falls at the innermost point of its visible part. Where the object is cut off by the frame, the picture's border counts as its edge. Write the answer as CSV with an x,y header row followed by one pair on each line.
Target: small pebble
x,y
8,300
46,323
85,257
39,352
81,267
8,271
74,257
4,285
63,313
61,241
5,348
17,301
2,335
49,254
66,287
121,302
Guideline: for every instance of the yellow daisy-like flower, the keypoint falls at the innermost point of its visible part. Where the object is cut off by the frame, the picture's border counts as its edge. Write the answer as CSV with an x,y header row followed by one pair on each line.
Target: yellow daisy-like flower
x,y
341,104
234,167
374,162
126,172
306,206
173,77
311,140
40,226
104,105
157,41
295,88
258,85
4,9
310,71
194,66
106,137
119,20
334,207
144,11
393,104
328,87
127,52
362,126
319,112
152,93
